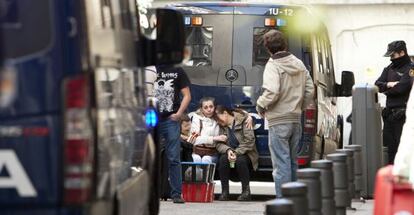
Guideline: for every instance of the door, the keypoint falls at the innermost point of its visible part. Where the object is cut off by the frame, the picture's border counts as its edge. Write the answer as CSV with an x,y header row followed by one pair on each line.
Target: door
x,y
210,57
37,58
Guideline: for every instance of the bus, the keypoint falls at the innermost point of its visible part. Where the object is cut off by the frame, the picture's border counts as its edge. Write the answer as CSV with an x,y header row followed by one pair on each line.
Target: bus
x,y
228,58
75,136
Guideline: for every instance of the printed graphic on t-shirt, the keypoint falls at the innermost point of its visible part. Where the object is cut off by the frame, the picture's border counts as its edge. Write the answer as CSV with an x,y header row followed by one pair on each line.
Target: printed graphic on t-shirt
x,y
164,92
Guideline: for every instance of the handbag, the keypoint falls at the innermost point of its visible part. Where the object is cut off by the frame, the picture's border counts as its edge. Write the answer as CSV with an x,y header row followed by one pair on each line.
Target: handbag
x,y
203,150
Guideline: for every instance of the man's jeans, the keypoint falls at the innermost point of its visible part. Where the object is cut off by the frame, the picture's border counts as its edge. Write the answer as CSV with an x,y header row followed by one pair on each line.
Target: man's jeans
x,y
283,143
170,131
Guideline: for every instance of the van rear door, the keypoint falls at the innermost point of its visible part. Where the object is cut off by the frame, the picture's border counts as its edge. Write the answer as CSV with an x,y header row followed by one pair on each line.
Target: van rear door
x,y
210,47
37,60
249,57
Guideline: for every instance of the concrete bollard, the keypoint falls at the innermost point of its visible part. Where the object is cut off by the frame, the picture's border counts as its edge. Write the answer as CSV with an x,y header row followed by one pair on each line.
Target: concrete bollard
x,y
327,182
279,207
312,178
296,192
340,171
350,168
357,169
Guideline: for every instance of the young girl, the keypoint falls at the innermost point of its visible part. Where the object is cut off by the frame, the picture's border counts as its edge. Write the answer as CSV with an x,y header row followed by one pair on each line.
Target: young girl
x,y
205,132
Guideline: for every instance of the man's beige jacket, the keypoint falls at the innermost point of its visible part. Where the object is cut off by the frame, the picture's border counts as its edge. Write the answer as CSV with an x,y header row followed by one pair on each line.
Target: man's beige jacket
x,y
287,89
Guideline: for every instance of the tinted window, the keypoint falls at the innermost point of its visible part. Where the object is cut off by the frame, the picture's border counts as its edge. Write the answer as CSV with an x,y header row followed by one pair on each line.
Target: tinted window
x,y
199,42
260,53
125,14
26,27
107,16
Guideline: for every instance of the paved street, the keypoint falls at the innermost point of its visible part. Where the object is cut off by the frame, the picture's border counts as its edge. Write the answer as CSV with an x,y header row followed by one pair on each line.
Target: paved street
x,y
245,208
262,191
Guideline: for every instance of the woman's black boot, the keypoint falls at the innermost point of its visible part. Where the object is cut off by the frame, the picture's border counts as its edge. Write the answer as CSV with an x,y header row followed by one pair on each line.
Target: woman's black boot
x,y
224,194
245,195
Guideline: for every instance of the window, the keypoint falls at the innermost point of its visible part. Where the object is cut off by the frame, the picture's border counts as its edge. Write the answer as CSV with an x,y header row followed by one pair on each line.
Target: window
x,y
320,54
107,14
199,42
125,14
26,27
9,13
260,53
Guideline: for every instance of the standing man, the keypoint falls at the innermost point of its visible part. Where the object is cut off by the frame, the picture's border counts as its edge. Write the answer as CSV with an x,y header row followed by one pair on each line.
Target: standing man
x,y
287,90
170,82
395,83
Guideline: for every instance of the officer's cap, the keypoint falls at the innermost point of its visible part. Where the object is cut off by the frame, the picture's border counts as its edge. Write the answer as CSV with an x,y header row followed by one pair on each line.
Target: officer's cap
x,y
395,46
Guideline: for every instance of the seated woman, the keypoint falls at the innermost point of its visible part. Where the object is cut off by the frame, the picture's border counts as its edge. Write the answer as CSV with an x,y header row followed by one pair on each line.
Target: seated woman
x,y
205,132
239,155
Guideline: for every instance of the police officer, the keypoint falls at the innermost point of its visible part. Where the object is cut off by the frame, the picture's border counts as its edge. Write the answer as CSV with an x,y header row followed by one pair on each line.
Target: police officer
x,y
395,83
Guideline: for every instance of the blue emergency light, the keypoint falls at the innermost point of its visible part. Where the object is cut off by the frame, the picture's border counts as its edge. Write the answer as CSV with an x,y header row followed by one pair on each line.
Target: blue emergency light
x,y
281,22
151,118
187,20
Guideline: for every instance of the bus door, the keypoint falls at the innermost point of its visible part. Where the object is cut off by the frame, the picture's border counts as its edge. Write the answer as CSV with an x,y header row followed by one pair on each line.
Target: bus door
x,y
210,45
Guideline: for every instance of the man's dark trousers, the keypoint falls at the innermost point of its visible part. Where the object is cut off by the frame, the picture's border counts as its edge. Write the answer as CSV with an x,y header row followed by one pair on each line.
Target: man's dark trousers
x,y
391,136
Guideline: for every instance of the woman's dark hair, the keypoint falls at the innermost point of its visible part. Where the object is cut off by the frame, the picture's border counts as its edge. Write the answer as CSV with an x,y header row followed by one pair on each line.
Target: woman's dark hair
x,y
274,41
220,110
204,99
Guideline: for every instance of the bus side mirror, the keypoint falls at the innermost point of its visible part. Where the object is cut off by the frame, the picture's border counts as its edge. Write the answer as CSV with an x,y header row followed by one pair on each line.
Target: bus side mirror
x,y
347,82
160,37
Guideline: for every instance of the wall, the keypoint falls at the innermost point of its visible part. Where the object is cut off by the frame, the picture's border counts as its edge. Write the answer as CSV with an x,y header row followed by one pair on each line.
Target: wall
x,y
359,37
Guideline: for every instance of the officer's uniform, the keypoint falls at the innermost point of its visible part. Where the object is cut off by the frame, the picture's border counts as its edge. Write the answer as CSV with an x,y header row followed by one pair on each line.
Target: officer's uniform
x,y
397,96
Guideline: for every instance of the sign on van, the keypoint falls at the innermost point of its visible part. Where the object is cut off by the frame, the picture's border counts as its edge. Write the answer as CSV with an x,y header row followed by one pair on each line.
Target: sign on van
x,y
17,175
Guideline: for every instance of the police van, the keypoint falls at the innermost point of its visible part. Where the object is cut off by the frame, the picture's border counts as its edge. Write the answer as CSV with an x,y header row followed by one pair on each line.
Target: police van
x,y
228,58
74,129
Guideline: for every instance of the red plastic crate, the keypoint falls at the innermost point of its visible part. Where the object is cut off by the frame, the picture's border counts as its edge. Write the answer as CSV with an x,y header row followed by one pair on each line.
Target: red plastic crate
x,y
391,197
198,192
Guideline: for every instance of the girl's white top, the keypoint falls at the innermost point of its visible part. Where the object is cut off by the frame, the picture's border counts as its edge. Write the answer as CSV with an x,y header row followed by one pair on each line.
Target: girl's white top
x,y
209,129
404,159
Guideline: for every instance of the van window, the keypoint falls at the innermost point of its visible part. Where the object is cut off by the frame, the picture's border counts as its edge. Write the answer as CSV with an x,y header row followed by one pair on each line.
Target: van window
x,y
20,20
324,55
107,14
260,53
125,14
199,41
318,57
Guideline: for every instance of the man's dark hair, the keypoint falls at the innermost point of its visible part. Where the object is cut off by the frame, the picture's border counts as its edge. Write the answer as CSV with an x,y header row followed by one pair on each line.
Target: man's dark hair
x,y
274,41
185,118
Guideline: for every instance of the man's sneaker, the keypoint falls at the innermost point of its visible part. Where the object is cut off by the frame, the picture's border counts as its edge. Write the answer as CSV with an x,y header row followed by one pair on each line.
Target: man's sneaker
x,y
178,200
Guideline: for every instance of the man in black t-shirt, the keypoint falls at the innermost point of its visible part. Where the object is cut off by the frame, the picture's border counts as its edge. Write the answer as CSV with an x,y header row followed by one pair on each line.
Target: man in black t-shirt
x,y
170,82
